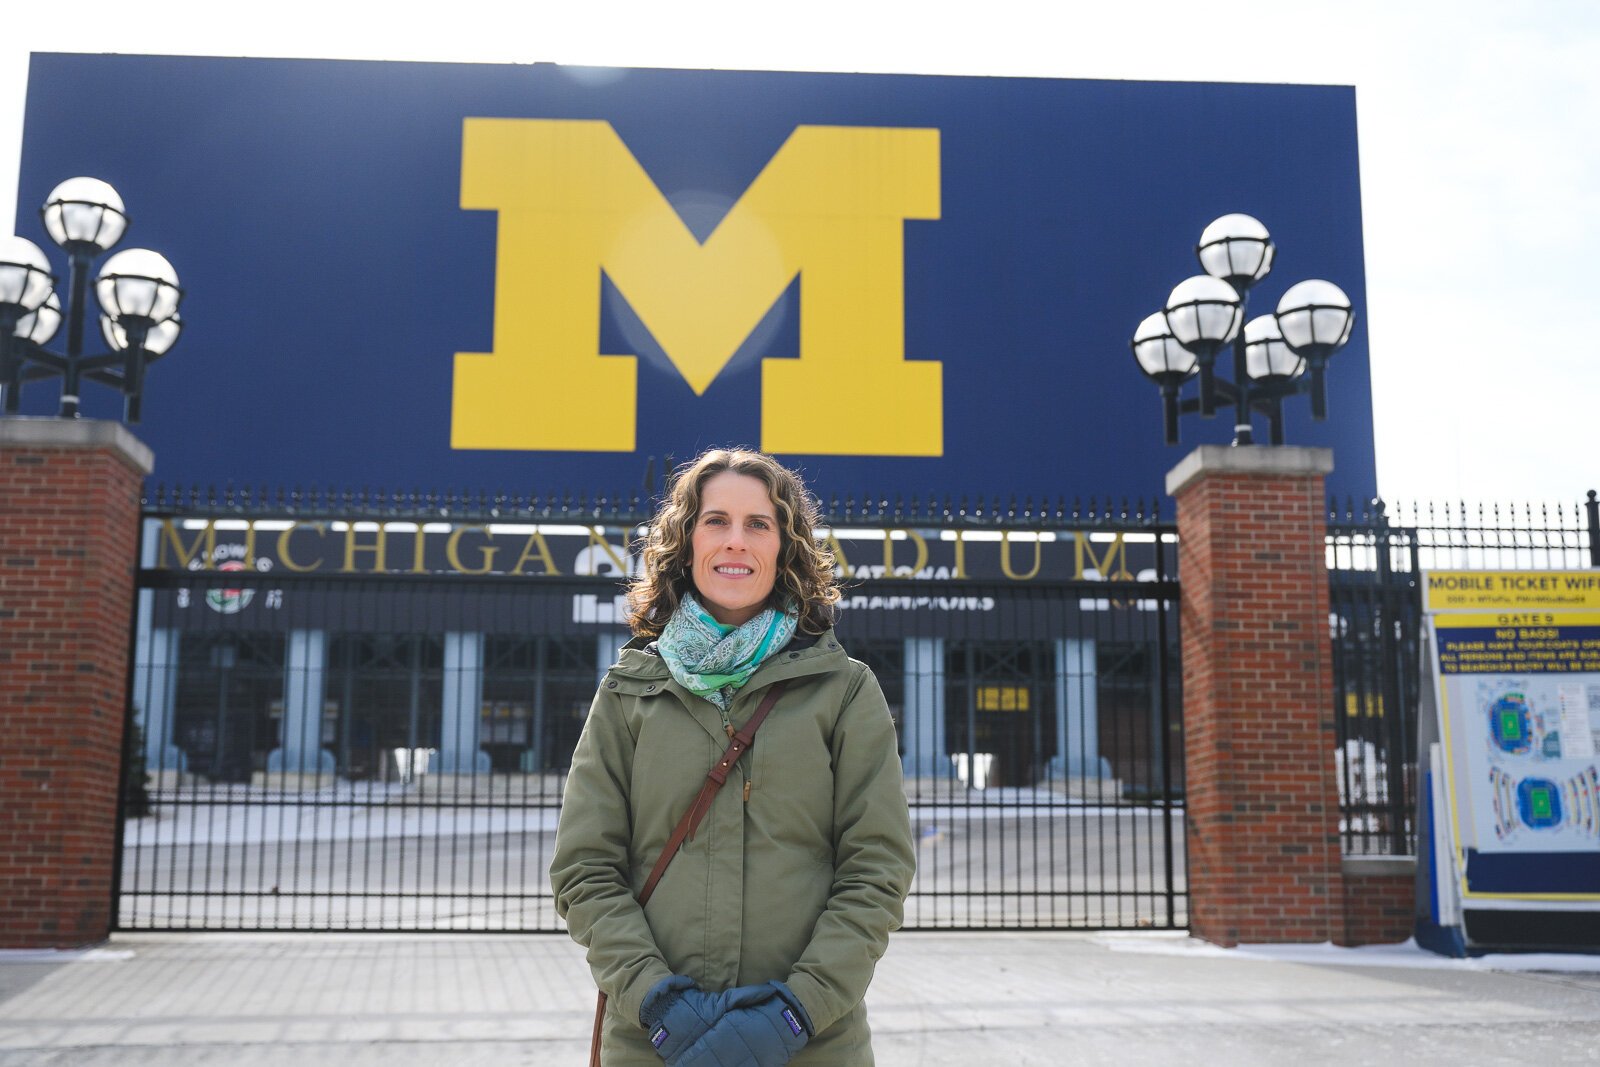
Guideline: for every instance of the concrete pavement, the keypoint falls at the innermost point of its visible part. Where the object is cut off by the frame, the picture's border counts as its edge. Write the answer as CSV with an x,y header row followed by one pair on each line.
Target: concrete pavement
x,y
940,999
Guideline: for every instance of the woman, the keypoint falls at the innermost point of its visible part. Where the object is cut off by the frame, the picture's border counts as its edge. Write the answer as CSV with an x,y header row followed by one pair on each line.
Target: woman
x,y
759,941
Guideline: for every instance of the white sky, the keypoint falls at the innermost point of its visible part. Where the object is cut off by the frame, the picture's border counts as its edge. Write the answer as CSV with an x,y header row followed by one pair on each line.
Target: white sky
x,y
1479,131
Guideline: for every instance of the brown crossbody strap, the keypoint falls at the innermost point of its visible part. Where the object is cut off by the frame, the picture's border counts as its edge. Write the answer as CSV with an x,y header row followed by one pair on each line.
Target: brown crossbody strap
x,y
742,740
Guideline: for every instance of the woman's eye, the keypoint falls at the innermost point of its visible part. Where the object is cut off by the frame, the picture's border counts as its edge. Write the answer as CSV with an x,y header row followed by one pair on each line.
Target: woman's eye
x,y
760,524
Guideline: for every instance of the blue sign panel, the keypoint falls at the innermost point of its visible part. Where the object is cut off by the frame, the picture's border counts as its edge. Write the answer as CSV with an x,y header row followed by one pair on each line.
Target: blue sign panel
x,y
535,278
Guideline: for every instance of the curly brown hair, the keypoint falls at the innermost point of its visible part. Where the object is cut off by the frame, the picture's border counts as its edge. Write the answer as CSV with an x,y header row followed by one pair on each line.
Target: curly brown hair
x,y
805,575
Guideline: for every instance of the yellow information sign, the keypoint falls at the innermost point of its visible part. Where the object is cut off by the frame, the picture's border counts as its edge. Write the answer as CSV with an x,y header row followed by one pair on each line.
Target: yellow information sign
x,y
1511,591
1506,642
1516,671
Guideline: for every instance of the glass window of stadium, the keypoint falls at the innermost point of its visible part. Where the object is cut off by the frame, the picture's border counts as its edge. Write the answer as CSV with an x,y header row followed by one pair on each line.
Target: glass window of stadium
x,y
228,703
1051,713
386,692
536,694
1000,704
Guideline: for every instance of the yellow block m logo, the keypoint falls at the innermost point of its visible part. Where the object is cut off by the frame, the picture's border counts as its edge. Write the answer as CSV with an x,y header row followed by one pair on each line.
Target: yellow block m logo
x,y
830,206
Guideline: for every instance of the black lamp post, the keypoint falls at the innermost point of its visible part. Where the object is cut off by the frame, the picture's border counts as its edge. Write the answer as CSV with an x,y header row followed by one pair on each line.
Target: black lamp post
x,y
137,291
1205,315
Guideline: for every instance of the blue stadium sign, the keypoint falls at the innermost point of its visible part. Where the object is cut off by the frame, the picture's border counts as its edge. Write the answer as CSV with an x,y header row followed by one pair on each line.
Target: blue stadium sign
x,y
533,278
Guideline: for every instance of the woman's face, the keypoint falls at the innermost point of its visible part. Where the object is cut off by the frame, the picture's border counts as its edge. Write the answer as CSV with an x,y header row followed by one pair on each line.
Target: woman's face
x,y
735,546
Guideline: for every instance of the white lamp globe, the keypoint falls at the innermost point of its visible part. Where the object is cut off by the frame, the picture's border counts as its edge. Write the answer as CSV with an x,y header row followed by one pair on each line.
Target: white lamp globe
x,y
1159,353
1237,249
160,337
25,278
40,324
1315,317
1203,313
137,281
1267,356
86,212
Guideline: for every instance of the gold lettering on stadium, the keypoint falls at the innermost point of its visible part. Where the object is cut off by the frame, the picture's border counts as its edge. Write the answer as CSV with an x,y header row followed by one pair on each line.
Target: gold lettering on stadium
x,y
366,547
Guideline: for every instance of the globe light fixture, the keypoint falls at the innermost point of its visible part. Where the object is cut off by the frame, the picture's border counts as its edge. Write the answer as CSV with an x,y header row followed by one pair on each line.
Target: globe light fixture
x,y
1205,316
25,278
40,324
160,337
137,291
1237,249
1267,356
1167,362
1158,352
139,340
138,283
84,211
1316,321
25,285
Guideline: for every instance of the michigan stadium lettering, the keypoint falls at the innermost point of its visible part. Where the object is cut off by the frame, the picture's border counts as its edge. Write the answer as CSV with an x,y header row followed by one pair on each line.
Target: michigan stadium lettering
x,y
572,201
554,550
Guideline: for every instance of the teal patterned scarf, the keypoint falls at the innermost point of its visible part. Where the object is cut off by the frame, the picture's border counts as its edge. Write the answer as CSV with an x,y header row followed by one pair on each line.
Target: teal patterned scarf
x,y
713,660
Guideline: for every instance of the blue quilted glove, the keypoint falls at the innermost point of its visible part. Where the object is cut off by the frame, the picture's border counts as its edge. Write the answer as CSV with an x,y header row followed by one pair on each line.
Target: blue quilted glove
x,y
677,1014
764,1026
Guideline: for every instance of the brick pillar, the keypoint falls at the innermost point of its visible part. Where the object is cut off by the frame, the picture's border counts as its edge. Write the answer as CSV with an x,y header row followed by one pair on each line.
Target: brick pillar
x,y
1263,810
69,526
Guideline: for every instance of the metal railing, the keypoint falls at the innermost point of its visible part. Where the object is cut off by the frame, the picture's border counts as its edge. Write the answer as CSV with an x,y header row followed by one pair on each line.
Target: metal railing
x,y
1376,554
634,507
387,750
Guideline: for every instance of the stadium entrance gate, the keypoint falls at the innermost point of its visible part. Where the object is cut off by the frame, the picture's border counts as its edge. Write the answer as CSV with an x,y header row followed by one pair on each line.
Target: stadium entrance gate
x,y
351,712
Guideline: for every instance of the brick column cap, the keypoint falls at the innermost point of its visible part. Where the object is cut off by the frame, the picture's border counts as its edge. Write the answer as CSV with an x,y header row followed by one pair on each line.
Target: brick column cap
x,y
1248,459
33,431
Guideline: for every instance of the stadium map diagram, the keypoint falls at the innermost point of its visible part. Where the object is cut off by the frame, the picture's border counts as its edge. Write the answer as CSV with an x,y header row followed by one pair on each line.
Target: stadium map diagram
x,y
1532,743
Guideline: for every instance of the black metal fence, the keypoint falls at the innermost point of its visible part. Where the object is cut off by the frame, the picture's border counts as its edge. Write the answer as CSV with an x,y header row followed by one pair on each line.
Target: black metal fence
x,y
364,754
349,741
344,725
1042,742
1375,559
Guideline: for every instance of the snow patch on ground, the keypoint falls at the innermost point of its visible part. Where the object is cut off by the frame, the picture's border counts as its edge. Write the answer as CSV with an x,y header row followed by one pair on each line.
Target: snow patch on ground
x,y
340,823
64,955
1406,954
338,817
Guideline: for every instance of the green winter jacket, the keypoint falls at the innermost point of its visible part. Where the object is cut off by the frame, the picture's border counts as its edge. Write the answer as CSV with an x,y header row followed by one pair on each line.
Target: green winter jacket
x,y
801,883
